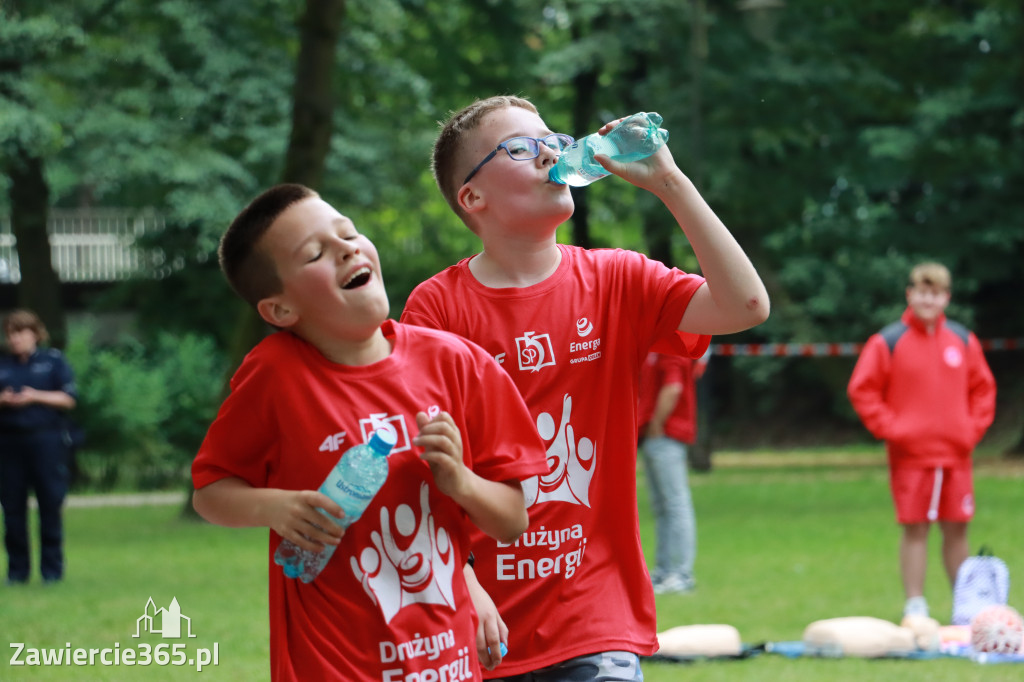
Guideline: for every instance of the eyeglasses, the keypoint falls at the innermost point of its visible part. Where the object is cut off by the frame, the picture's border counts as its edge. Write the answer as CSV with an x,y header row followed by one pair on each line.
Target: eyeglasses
x,y
525,148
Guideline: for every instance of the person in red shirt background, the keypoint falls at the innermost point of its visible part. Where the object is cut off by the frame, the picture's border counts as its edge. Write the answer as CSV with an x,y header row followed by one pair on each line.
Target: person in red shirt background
x,y
923,386
668,424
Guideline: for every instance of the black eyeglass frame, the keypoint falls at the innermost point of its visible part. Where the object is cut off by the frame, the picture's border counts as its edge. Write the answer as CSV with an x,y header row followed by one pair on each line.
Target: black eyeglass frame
x,y
566,140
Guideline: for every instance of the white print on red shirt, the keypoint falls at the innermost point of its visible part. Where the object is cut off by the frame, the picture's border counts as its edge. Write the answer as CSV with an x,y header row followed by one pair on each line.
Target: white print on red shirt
x,y
534,352
421,573
380,421
952,356
584,327
572,462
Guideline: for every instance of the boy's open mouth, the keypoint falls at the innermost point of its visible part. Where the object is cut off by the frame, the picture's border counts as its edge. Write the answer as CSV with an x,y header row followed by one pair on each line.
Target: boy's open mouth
x,y
358,278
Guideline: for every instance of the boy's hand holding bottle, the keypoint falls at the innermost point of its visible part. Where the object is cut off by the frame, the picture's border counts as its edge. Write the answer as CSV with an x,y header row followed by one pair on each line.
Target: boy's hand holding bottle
x,y
297,517
632,147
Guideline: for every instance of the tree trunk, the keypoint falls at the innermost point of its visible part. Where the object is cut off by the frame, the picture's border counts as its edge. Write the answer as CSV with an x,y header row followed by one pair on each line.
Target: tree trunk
x,y
585,86
310,141
313,97
39,288
312,125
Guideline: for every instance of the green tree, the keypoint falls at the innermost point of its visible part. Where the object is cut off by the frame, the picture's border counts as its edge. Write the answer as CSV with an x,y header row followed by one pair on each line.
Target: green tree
x,y
30,131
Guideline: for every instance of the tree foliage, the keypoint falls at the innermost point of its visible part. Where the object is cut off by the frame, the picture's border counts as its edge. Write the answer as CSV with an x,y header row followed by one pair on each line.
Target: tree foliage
x,y
841,142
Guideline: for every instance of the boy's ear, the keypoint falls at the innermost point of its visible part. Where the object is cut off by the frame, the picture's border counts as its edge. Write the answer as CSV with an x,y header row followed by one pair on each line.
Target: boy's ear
x,y
469,199
276,313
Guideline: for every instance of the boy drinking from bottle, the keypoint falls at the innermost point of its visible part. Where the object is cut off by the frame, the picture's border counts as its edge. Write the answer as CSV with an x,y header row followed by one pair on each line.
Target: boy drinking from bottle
x,y
572,327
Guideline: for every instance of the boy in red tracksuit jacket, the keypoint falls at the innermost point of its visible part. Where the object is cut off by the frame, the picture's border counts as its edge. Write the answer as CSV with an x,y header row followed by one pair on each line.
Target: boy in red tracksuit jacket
x,y
922,385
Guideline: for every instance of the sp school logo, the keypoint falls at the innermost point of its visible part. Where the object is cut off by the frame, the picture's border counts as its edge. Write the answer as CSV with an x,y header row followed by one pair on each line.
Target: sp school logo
x,y
534,351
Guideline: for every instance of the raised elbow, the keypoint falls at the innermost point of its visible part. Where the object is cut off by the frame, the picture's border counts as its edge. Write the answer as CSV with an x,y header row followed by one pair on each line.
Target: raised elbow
x,y
759,308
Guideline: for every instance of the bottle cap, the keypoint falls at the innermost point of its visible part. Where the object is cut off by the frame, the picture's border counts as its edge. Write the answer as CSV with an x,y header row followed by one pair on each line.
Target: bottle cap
x,y
383,440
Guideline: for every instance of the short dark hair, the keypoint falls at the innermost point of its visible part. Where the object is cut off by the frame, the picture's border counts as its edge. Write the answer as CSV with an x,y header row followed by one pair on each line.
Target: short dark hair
x,y
249,270
446,164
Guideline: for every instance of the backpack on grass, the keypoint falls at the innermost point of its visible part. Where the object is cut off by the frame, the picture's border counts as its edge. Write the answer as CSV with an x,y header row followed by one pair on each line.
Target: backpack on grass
x,y
981,581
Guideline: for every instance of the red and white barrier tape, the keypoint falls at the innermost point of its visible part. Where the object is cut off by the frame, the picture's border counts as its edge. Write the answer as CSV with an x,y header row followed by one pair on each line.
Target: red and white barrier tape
x,y
828,349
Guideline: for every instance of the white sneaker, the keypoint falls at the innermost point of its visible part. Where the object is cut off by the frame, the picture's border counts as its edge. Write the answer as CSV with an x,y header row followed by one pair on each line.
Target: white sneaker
x,y
916,606
674,583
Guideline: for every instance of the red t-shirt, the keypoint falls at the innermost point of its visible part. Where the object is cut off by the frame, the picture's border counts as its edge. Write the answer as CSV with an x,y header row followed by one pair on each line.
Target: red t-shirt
x,y
931,397
665,370
576,581
393,600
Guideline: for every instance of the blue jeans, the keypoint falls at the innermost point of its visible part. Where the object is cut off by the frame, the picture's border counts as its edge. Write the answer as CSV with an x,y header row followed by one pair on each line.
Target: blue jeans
x,y
607,666
674,522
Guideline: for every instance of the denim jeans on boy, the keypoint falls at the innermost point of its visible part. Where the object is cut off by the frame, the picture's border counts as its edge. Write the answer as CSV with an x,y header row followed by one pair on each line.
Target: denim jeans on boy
x,y
674,522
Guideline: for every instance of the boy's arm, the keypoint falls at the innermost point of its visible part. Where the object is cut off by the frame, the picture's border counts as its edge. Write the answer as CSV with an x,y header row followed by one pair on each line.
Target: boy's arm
x,y
668,398
491,631
866,389
495,507
733,297
981,396
293,514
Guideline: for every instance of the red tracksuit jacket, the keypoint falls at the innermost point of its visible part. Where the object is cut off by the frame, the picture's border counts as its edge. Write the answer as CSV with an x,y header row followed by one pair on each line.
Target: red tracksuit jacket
x,y
930,397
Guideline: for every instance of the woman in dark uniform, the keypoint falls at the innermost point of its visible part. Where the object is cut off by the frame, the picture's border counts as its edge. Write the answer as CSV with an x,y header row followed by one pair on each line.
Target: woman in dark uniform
x,y
36,387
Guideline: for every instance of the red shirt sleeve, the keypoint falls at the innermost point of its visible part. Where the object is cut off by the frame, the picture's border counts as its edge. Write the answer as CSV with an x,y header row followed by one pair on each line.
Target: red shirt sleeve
x,y
981,388
868,385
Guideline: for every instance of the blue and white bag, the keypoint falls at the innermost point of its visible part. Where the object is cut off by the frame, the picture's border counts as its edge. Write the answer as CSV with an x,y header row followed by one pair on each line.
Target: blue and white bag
x,y
981,581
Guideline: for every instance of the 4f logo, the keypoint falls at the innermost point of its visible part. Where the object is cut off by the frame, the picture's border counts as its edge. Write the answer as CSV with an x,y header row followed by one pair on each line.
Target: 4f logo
x,y
534,351
333,442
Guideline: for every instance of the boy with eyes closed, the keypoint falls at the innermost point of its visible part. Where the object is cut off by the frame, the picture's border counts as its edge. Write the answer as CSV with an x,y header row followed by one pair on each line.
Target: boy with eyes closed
x,y
393,601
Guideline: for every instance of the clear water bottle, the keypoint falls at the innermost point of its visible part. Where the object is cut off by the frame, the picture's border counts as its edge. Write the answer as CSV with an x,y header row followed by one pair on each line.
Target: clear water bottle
x,y
635,138
352,483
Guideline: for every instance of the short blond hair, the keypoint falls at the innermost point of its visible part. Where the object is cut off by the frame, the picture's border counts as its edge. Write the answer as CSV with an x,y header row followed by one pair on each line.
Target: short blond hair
x,y
447,163
931,274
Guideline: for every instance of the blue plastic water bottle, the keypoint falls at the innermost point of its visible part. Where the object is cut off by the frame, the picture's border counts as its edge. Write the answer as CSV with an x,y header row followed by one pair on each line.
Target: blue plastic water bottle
x,y
635,138
352,483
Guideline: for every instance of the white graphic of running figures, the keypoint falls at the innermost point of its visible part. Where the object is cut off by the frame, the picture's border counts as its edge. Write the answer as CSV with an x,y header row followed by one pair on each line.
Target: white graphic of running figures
x,y
422,573
572,463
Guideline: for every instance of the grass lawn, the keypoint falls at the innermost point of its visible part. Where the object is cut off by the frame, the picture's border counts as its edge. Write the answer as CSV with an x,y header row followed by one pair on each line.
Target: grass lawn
x,y
782,542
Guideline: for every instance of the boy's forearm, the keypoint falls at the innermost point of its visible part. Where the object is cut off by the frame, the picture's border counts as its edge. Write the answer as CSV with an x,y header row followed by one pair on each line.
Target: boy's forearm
x,y
232,502
738,299
495,507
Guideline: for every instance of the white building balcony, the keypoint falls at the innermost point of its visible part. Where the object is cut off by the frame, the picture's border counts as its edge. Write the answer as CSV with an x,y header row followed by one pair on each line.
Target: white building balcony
x,y
89,245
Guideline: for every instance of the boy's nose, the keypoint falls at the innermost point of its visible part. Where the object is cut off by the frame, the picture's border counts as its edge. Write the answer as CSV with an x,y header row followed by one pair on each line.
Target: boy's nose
x,y
346,249
547,155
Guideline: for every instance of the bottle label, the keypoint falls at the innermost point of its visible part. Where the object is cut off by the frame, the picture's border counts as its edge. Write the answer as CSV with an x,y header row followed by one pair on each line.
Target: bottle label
x,y
353,489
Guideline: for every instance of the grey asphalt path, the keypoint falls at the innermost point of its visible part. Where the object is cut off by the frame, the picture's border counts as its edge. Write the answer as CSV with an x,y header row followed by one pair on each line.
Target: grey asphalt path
x,y
121,500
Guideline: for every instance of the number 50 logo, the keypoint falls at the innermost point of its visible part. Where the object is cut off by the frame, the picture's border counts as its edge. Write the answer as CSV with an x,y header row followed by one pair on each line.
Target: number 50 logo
x,y
534,351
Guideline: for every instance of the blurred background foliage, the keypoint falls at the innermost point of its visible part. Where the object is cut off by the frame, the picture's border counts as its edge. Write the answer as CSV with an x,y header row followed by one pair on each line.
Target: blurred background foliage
x,y
841,142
